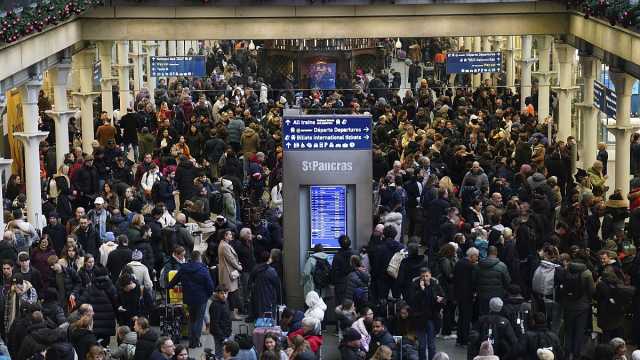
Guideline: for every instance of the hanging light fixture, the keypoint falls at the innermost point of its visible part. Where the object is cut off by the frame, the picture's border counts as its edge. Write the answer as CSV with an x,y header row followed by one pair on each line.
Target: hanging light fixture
x,y
252,46
398,44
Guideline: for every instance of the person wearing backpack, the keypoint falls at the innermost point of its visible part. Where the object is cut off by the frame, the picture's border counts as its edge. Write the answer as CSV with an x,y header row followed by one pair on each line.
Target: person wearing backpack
x,y
389,257
317,271
612,301
496,329
357,287
574,289
538,337
543,286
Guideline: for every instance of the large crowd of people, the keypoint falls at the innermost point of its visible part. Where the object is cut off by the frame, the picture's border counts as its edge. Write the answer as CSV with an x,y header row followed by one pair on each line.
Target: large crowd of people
x,y
485,232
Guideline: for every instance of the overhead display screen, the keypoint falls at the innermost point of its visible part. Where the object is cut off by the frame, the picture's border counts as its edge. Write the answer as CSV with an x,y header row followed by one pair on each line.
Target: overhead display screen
x,y
327,132
178,66
328,214
474,62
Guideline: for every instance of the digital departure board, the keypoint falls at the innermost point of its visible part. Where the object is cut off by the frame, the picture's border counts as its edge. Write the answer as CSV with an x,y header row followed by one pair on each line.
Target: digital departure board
x,y
474,62
178,66
328,214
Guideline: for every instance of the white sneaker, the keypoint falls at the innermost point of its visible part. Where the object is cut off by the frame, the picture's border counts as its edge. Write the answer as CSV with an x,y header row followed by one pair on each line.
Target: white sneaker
x,y
451,337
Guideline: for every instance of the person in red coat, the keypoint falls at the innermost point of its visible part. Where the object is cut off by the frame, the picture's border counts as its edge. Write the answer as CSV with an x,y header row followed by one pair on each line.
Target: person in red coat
x,y
310,332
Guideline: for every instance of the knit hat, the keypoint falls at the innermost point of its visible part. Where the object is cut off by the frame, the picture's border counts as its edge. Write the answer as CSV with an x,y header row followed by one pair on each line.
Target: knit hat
x,y
136,255
495,304
109,236
536,180
545,354
485,348
441,356
635,355
351,334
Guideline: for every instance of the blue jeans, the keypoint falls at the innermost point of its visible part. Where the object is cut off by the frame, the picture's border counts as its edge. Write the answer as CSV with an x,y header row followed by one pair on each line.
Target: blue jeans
x,y
427,340
196,320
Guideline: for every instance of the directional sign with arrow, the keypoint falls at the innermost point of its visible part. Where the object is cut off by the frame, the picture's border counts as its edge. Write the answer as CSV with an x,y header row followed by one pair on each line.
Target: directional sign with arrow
x,y
327,132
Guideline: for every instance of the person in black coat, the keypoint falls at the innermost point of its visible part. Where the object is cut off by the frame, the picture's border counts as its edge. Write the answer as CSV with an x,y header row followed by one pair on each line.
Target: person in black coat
x,y
129,295
86,179
102,296
81,336
383,256
87,237
185,174
357,286
147,339
410,269
537,337
427,301
129,124
220,318
119,258
341,267
164,192
349,347
464,273
266,289
65,279
380,336
38,338
51,309
56,231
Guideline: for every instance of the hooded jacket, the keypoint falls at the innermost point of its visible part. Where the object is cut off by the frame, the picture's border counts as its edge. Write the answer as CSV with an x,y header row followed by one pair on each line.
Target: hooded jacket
x,y
102,296
38,339
307,273
480,180
250,142
492,279
588,289
316,306
196,282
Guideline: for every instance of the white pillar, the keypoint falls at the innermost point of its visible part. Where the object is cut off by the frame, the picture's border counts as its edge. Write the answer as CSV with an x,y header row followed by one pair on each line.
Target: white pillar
x,y
123,76
138,58
510,63
61,113
477,47
486,47
105,51
181,48
566,54
623,83
543,75
162,48
589,113
31,139
5,167
85,97
172,48
150,50
525,64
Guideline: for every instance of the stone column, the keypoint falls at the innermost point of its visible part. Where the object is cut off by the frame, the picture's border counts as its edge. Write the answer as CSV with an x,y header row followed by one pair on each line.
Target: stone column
x,y
543,75
105,51
5,168
172,48
138,58
486,47
162,48
31,138
180,48
123,76
85,97
150,50
510,65
623,83
61,113
525,65
566,53
589,113
477,47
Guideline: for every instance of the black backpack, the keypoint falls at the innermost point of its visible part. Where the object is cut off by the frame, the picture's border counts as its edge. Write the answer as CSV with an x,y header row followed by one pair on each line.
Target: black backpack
x,y
570,286
169,238
216,202
321,274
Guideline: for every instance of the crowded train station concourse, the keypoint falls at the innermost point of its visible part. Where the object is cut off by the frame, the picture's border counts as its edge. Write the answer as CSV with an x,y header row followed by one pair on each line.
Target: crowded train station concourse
x,y
319,180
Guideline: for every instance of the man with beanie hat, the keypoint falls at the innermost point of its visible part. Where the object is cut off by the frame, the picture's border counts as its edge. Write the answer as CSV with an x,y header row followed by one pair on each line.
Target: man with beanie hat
x,y
495,328
545,354
538,337
350,345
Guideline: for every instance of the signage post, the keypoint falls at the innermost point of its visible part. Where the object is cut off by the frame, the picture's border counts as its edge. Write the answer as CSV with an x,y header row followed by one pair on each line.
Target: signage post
x,y
327,188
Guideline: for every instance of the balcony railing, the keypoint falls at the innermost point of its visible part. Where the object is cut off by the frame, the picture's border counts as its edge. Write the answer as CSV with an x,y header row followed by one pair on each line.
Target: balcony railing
x,y
296,2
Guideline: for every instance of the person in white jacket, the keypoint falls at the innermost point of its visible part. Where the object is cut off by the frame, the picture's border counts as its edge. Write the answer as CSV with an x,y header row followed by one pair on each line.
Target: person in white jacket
x,y
106,248
149,178
276,198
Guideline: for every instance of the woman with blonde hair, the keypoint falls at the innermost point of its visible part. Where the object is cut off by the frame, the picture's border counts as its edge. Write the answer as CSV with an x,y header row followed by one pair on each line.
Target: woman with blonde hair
x,y
382,353
82,337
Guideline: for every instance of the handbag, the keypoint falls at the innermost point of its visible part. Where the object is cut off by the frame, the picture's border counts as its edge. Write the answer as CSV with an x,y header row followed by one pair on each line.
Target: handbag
x,y
235,274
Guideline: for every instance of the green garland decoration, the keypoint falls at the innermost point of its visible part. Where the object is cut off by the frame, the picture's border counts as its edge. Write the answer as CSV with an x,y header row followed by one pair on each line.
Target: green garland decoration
x,y
17,23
